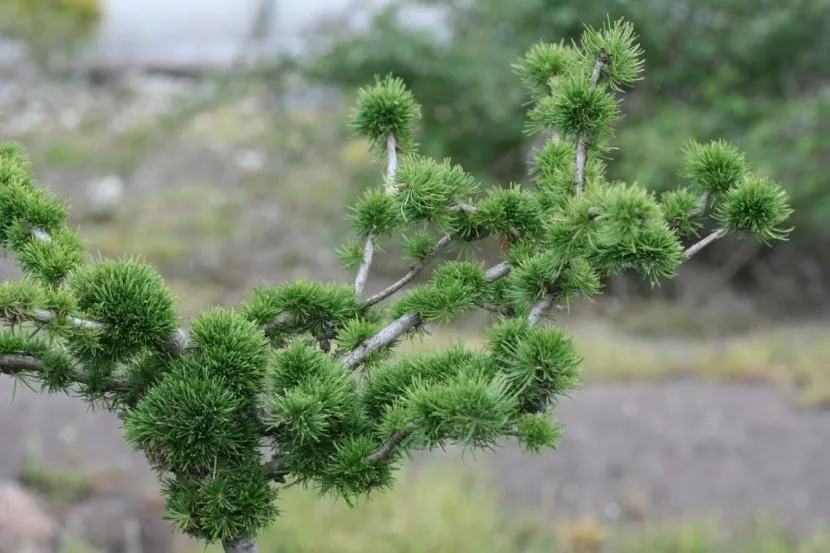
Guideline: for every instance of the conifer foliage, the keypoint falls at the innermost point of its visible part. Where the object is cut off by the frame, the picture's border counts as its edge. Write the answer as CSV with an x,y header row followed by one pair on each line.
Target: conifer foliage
x,y
300,384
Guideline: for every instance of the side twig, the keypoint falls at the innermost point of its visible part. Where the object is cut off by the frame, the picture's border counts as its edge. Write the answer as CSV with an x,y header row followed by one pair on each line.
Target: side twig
x,y
369,249
363,271
385,451
582,141
414,271
712,237
16,363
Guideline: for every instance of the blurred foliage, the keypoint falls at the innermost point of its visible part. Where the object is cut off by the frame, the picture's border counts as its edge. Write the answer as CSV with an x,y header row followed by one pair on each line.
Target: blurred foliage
x,y
48,27
753,72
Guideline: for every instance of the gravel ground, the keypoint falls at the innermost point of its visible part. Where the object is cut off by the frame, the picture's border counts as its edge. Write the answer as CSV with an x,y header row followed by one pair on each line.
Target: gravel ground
x,y
630,452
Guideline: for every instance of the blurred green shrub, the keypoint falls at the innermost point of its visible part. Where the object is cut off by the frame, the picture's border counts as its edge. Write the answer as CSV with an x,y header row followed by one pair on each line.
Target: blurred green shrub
x,y
50,26
754,73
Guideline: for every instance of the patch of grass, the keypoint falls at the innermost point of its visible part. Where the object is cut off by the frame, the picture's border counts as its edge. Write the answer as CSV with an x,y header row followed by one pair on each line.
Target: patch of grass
x,y
443,511
794,357
168,225
446,510
56,488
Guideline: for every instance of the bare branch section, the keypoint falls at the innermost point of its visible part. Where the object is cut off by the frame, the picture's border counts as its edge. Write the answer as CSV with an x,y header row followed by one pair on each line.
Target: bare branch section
x,y
363,271
178,342
45,316
391,159
369,249
695,248
414,271
14,364
247,545
582,141
701,206
539,310
385,451
496,308
41,235
497,272
386,336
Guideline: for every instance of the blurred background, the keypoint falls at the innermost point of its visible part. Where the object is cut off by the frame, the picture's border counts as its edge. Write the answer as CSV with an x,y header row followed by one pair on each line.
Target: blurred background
x,y
209,137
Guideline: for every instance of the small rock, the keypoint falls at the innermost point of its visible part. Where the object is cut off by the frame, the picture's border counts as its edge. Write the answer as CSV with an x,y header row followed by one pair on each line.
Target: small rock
x,y
120,524
25,525
105,196
251,160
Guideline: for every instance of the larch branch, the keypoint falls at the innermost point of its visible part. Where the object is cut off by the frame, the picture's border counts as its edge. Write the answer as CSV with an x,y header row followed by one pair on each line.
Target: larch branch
x,y
414,270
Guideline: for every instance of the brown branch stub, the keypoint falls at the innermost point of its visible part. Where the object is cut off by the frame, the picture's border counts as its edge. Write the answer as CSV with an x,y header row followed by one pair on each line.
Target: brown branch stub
x,y
385,451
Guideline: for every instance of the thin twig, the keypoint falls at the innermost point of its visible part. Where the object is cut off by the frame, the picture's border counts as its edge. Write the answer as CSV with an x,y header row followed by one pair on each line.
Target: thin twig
x,y
369,249
582,141
14,363
45,316
385,451
177,342
701,206
695,248
414,271
496,308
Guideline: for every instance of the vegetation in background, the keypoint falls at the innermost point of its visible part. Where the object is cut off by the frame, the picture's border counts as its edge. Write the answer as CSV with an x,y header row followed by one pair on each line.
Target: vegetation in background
x,y
50,27
307,368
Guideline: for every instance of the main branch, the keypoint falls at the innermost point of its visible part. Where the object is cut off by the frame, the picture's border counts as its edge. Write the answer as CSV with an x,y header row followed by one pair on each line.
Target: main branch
x,y
383,338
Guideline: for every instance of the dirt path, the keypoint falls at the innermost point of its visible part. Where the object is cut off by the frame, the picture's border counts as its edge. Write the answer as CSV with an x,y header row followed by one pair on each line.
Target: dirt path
x,y
630,451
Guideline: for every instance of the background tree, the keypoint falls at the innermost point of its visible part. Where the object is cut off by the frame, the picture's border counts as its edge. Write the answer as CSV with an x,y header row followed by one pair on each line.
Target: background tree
x,y
753,74
300,385
50,28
